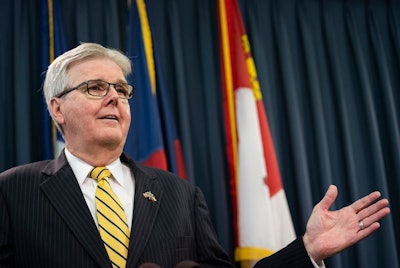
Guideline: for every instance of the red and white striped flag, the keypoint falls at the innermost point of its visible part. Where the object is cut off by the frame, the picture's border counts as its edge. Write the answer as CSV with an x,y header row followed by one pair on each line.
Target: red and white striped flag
x,y
263,221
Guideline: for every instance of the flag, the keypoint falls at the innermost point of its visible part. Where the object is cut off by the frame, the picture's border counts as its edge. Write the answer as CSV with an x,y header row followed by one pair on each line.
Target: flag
x,y
152,139
263,223
53,44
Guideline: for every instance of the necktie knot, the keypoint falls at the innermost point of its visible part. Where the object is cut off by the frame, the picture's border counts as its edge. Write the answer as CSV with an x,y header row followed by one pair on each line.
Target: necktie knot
x,y
100,173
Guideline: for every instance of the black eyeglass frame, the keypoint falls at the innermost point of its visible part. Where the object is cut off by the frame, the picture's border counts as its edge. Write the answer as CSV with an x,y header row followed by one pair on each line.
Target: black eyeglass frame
x,y
130,94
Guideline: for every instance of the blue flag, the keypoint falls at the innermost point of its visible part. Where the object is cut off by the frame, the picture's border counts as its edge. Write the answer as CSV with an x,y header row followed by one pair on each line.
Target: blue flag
x,y
152,139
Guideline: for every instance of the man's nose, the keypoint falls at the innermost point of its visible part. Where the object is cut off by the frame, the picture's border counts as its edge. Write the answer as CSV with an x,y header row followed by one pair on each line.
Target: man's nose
x,y
112,94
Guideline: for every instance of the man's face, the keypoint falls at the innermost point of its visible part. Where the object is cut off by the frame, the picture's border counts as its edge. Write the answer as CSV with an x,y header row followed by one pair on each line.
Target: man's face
x,y
88,122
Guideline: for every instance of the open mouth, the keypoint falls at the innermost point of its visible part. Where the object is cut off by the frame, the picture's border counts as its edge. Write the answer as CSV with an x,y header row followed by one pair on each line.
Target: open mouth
x,y
111,117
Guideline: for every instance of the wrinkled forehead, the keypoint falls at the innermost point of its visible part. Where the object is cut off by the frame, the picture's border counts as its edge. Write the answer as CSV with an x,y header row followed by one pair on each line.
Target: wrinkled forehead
x,y
95,68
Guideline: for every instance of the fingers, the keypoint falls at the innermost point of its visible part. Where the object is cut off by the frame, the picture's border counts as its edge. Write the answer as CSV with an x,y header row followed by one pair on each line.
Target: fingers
x,y
365,201
374,213
372,210
367,231
329,198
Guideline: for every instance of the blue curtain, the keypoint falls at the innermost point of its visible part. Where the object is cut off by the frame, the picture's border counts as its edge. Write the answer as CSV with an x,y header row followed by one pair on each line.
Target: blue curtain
x,y
20,93
328,69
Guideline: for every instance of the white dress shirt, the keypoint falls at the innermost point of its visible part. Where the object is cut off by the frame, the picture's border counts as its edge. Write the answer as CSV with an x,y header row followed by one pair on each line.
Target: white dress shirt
x,y
121,182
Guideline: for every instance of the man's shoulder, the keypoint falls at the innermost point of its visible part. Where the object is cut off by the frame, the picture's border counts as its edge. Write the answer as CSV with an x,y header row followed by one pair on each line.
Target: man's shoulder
x,y
160,173
167,180
25,170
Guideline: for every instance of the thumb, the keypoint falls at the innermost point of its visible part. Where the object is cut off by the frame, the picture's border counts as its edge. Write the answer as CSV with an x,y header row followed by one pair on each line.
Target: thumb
x,y
329,198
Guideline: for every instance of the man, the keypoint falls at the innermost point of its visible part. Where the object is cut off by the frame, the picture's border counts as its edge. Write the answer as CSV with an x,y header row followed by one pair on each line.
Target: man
x,y
52,212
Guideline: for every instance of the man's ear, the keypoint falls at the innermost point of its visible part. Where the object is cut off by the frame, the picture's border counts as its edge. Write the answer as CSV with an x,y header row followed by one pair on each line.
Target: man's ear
x,y
56,111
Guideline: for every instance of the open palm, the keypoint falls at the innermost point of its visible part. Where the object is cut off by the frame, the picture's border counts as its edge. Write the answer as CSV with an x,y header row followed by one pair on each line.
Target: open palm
x,y
329,232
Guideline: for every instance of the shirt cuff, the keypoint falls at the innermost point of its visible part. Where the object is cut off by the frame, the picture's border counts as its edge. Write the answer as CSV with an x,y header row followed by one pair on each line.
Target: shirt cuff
x,y
316,265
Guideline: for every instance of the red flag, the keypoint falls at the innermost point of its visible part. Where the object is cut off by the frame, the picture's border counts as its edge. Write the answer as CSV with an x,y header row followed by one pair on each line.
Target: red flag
x,y
262,219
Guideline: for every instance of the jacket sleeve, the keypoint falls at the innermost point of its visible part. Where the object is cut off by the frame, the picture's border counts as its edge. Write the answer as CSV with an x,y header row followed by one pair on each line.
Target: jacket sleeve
x,y
293,255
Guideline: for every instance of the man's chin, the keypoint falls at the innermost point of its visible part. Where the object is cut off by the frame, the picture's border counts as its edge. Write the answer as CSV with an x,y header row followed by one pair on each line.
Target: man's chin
x,y
112,142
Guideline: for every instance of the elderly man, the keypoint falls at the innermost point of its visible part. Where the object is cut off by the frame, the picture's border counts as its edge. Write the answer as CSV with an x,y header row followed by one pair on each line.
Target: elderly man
x,y
94,206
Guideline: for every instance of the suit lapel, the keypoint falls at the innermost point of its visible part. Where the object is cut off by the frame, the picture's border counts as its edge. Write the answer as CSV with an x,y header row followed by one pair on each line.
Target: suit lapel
x,y
64,193
144,214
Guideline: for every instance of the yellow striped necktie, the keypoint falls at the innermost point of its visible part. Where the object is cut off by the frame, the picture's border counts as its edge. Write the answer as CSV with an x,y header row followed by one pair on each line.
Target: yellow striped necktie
x,y
111,218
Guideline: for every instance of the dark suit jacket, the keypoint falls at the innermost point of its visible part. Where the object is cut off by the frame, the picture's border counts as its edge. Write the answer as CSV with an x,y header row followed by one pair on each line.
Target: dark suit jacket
x,y
45,222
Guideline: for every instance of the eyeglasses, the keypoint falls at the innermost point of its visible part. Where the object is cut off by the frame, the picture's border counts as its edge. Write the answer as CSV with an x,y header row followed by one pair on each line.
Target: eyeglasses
x,y
100,88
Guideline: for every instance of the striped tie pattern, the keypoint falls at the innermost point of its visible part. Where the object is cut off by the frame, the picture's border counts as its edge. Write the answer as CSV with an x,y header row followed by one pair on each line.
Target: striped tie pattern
x,y
111,218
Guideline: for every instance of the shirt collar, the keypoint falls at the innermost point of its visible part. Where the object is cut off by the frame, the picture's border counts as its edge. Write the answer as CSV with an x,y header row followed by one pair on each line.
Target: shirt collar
x,y
81,169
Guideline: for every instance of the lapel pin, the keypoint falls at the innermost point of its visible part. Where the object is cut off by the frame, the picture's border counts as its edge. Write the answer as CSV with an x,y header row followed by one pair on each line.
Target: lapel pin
x,y
149,195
